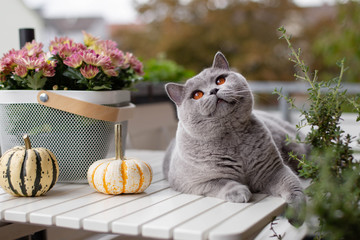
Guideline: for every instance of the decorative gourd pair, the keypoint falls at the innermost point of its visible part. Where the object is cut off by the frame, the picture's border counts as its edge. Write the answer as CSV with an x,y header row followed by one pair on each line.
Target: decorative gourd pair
x,y
30,172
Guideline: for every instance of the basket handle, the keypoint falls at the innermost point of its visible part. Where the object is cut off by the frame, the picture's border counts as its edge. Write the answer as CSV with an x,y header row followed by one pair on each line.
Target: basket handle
x,y
86,109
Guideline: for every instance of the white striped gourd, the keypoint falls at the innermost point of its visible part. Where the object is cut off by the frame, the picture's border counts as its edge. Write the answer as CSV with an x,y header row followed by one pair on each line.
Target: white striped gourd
x,y
28,172
120,174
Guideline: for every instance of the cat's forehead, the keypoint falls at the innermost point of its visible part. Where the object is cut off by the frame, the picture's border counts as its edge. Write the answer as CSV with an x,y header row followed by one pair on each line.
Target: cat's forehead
x,y
203,77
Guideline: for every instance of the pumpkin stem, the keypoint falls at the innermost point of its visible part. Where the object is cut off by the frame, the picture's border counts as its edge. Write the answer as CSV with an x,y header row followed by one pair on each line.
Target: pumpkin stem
x,y
118,144
27,142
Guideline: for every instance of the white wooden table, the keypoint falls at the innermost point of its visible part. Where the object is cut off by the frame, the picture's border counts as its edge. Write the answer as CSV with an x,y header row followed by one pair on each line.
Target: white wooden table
x,y
159,212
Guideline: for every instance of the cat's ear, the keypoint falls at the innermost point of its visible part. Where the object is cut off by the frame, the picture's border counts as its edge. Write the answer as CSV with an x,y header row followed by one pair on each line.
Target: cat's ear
x,y
175,92
220,61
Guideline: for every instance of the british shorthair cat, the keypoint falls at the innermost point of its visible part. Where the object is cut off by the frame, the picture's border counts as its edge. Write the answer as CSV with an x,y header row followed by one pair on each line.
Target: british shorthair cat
x,y
225,149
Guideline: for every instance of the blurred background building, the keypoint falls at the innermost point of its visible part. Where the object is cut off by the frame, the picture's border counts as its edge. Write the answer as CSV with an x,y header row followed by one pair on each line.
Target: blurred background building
x,y
11,22
189,32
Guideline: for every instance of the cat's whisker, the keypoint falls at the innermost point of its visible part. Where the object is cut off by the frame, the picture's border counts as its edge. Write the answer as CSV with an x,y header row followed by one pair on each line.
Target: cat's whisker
x,y
234,93
232,99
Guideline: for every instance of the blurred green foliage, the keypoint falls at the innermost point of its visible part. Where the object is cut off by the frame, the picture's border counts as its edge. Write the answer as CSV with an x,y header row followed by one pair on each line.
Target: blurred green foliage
x,y
190,32
164,70
335,38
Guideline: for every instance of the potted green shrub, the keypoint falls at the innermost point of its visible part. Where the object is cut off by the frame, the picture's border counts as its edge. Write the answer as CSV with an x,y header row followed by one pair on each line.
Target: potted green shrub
x,y
334,195
157,72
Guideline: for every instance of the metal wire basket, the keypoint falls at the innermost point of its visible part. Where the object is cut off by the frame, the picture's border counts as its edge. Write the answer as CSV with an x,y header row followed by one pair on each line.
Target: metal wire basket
x,y
78,132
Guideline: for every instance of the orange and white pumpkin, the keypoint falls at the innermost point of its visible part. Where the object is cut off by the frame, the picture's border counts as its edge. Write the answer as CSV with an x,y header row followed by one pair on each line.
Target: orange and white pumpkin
x,y
120,174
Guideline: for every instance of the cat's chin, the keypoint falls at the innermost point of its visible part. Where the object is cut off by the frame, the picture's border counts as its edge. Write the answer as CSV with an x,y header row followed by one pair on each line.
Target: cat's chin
x,y
223,107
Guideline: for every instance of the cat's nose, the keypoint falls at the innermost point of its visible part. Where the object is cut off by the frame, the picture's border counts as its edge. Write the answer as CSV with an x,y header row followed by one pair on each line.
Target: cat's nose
x,y
214,91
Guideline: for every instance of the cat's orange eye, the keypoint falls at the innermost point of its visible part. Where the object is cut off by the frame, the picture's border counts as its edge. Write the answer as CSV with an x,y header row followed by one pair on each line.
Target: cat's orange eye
x,y
197,95
220,81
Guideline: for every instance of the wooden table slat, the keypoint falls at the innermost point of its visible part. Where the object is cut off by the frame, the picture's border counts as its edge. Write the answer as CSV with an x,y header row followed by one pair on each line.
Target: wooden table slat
x,y
75,218
157,177
198,227
47,215
131,224
20,213
5,197
250,221
101,222
163,227
18,201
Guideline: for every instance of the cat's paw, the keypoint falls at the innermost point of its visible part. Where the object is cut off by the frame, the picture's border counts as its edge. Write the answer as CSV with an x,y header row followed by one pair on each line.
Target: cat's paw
x,y
238,194
296,211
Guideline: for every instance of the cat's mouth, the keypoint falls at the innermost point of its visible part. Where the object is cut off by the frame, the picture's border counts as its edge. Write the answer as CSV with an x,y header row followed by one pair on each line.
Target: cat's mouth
x,y
219,105
220,100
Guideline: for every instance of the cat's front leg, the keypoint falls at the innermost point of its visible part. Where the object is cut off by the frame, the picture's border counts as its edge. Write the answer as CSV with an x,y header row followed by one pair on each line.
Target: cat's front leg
x,y
228,190
287,185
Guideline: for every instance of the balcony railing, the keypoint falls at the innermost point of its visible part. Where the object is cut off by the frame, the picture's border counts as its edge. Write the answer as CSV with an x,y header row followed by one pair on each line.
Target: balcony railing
x,y
156,92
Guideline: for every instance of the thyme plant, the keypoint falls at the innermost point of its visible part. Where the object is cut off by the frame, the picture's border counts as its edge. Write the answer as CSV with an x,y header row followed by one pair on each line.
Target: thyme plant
x,y
335,174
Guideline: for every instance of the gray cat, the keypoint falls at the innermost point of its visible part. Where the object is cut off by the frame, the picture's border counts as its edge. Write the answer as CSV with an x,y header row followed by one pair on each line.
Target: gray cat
x,y
222,147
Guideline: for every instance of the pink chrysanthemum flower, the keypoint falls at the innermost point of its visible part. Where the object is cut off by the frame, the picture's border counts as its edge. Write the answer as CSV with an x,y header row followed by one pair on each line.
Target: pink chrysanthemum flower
x,y
8,60
109,70
64,51
49,65
65,47
48,69
116,56
48,59
133,62
57,42
21,71
90,57
31,63
102,46
136,65
126,63
107,44
89,40
89,71
75,60
109,48
7,65
33,48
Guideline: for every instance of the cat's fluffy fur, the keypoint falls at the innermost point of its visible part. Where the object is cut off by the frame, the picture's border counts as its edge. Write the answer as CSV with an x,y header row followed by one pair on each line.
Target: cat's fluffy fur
x,y
222,147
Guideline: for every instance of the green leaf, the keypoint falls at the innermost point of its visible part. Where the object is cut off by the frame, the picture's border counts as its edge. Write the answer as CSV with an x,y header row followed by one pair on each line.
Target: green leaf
x,y
103,87
82,81
37,81
73,74
17,78
282,29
